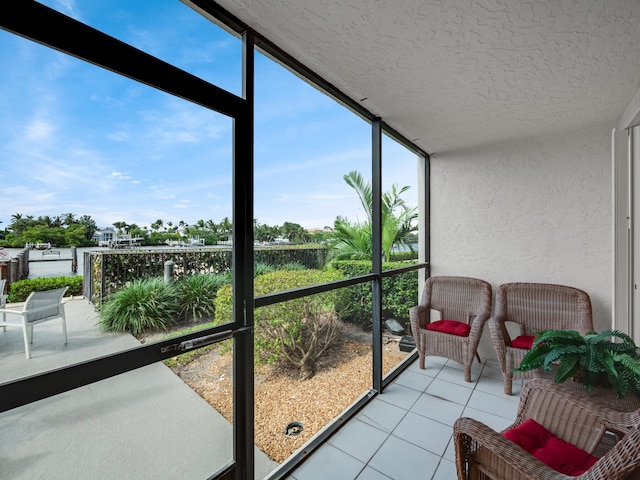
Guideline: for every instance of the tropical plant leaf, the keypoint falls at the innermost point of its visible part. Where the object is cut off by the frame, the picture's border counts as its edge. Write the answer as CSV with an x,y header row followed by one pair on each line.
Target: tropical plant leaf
x,y
562,337
534,358
568,368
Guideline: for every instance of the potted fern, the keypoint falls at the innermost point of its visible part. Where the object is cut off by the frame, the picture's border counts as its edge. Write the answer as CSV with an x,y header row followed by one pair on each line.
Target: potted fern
x,y
593,359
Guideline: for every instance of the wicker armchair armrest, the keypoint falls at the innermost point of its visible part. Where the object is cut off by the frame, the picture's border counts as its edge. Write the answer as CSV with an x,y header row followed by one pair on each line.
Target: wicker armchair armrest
x,y
541,399
500,338
477,325
419,317
503,457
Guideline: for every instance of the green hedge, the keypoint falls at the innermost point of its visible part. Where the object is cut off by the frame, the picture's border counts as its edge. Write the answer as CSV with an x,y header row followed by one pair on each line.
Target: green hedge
x,y
404,256
399,293
110,270
21,289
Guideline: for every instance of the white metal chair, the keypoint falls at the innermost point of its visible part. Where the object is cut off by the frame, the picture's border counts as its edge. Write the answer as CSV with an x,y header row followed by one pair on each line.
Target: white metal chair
x,y
40,307
3,297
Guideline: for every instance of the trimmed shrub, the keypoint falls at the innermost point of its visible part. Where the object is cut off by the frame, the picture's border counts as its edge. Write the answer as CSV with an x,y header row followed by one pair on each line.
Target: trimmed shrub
x,y
198,293
143,304
298,331
21,289
399,293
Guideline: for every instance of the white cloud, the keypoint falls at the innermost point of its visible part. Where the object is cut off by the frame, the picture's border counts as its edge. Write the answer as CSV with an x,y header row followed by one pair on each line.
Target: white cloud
x,y
38,130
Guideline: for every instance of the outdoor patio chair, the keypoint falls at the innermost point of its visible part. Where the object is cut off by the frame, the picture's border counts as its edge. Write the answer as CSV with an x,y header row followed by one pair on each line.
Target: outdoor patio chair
x,y
551,425
448,321
40,307
3,297
531,308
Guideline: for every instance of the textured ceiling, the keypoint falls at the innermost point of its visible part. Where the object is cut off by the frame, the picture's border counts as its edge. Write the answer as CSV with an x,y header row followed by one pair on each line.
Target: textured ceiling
x,y
452,74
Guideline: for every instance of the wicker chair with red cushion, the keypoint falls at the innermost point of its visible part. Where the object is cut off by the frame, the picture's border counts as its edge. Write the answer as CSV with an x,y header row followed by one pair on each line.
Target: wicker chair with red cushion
x,y
556,435
531,308
449,320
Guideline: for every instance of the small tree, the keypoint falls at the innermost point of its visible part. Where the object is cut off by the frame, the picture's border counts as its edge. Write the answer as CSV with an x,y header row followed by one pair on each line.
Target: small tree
x,y
298,331
352,240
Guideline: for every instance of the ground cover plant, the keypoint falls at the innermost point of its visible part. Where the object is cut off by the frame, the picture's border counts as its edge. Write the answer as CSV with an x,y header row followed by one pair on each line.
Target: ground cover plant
x,y
198,292
141,305
149,304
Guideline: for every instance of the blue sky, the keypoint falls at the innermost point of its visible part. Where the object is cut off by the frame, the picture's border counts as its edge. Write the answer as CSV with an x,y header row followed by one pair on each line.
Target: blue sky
x,y
76,138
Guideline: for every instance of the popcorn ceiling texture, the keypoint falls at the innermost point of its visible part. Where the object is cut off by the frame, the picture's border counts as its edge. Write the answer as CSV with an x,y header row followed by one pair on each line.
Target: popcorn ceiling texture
x,y
454,74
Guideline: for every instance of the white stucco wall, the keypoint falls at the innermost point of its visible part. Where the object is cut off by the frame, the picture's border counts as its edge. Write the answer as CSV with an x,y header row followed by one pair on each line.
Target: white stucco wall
x,y
534,210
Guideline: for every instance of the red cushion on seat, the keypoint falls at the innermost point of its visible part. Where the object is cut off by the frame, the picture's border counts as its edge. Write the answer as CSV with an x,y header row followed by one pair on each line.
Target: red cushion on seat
x,y
523,341
452,327
549,449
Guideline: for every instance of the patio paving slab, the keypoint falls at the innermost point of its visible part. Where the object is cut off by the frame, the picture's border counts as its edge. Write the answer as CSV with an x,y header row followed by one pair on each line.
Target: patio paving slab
x,y
144,424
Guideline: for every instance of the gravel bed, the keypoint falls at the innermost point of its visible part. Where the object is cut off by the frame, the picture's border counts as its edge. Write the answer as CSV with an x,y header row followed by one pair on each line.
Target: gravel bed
x,y
343,374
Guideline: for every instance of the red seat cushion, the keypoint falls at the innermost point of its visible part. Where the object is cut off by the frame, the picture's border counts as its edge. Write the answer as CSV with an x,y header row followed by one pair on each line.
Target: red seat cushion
x,y
549,449
452,327
523,341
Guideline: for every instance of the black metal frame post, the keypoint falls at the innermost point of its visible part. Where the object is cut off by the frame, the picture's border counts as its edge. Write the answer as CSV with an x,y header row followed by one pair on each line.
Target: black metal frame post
x,y
243,411
376,247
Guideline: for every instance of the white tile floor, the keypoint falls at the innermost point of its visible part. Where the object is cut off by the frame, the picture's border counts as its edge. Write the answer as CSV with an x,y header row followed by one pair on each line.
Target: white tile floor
x,y
406,433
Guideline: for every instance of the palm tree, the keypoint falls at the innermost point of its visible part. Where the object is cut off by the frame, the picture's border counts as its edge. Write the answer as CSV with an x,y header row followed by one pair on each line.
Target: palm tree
x,y
353,240
69,219
120,226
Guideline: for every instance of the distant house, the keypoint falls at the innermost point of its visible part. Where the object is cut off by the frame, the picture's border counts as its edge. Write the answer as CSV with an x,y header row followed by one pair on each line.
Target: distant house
x,y
104,236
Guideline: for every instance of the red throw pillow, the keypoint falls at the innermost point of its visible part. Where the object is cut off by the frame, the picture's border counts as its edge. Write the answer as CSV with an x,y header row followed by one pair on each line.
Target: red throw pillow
x,y
549,449
523,341
452,327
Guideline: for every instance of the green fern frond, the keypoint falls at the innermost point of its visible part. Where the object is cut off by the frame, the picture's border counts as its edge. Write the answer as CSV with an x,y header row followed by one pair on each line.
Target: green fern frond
x,y
568,367
604,335
561,337
559,354
534,358
609,366
630,364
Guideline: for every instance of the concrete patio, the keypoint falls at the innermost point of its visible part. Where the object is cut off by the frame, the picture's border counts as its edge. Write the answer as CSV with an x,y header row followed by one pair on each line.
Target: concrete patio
x,y
108,429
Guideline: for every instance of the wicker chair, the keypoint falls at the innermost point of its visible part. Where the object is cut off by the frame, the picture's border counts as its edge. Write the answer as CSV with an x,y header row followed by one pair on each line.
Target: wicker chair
x,y
534,307
461,299
611,436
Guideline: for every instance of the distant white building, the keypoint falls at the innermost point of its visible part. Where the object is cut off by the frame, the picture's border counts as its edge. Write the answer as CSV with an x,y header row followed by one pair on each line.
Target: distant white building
x,y
104,236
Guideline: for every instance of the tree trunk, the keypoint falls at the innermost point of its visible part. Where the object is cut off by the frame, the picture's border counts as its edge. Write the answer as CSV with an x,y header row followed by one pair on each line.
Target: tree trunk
x,y
308,367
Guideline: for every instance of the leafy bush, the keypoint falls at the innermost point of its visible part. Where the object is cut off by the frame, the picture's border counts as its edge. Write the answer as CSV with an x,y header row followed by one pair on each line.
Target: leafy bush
x,y
141,305
399,293
198,293
310,255
21,289
298,331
